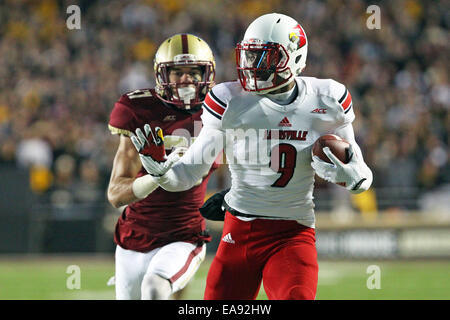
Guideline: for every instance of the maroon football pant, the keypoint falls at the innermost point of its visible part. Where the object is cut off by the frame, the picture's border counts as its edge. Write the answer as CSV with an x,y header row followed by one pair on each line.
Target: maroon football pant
x,y
282,253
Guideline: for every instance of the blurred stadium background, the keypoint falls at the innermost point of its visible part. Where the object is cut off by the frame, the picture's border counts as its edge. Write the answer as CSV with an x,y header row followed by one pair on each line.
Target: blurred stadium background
x,y
57,87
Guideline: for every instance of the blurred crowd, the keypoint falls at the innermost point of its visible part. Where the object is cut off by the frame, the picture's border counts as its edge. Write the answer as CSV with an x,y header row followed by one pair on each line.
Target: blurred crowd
x,y
58,86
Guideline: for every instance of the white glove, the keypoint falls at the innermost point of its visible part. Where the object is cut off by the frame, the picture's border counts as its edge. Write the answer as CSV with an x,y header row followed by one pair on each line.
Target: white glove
x,y
152,151
350,175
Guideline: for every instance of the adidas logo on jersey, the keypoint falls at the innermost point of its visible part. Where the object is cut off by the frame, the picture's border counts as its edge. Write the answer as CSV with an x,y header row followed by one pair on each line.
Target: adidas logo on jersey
x,y
285,123
227,238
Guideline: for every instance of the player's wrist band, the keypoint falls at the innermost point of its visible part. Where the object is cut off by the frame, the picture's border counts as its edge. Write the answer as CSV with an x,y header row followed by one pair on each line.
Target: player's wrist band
x,y
144,185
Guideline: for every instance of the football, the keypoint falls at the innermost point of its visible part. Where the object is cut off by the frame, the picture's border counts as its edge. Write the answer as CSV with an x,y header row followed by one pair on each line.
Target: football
x,y
337,145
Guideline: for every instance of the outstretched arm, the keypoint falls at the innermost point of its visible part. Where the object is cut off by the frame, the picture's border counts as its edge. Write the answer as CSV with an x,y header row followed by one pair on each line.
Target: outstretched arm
x,y
196,163
171,172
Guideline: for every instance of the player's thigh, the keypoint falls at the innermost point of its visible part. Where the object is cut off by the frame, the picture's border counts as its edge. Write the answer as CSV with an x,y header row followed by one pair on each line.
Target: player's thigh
x,y
292,273
230,279
130,268
177,262
234,272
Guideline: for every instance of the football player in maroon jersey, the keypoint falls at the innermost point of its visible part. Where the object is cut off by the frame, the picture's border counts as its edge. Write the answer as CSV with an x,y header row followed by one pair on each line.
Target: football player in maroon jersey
x,y
160,236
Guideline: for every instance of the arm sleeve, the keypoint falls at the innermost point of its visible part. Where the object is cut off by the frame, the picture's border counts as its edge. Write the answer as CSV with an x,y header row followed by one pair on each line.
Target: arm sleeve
x,y
346,132
196,163
122,119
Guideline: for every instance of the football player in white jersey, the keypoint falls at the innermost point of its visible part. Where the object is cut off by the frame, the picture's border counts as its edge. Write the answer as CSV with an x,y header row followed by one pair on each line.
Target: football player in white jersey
x,y
267,122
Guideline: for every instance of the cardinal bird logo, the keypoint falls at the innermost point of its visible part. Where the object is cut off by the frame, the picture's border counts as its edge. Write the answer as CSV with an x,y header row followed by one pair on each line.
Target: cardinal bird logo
x,y
297,38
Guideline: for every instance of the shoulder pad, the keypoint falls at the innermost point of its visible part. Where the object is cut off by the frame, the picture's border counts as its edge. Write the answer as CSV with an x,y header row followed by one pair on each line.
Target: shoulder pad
x,y
341,94
138,96
121,119
333,90
129,109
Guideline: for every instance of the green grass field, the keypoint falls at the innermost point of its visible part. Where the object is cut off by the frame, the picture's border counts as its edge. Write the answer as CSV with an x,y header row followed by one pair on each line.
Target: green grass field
x,y
45,278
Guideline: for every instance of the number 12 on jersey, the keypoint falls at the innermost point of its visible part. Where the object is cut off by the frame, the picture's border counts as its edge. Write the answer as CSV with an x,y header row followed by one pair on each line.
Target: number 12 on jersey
x,y
283,158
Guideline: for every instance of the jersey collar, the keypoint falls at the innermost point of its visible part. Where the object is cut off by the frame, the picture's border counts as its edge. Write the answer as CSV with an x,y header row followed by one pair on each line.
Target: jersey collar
x,y
301,94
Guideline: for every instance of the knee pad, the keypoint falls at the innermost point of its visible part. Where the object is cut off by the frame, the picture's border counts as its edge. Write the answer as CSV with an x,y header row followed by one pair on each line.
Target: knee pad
x,y
155,287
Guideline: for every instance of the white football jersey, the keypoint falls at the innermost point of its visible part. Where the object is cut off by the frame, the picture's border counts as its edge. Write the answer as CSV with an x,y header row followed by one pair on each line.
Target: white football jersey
x,y
268,145
272,175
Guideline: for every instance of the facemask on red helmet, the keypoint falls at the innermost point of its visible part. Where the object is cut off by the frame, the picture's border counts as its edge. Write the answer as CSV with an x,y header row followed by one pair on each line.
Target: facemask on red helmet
x,y
261,66
271,54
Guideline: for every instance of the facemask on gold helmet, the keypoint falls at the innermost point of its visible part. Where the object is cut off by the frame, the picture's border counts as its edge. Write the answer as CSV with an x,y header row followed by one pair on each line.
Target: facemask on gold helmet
x,y
185,70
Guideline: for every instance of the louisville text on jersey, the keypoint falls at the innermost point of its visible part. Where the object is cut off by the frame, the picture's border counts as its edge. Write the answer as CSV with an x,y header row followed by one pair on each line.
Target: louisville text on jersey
x,y
299,135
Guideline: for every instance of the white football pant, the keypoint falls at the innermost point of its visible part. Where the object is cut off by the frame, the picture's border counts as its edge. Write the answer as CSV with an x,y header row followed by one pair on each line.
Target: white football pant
x,y
136,271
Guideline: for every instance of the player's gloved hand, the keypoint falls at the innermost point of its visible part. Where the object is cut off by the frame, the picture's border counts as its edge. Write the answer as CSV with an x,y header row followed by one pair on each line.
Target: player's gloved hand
x,y
349,175
213,208
150,146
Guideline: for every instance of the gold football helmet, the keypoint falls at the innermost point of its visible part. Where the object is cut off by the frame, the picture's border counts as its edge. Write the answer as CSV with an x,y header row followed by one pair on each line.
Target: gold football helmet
x,y
184,50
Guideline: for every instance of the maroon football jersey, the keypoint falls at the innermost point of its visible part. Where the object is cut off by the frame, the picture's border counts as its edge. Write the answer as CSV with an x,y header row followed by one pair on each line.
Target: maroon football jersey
x,y
163,217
